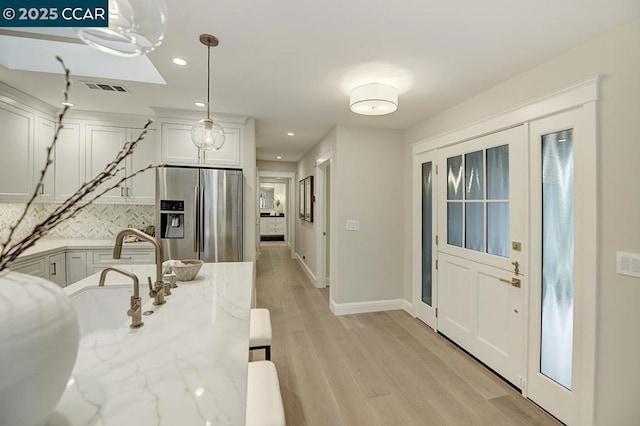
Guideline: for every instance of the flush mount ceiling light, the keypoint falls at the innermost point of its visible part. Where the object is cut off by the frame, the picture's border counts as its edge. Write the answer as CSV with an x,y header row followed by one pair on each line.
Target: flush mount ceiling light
x,y
136,27
373,99
179,61
290,134
206,134
199,104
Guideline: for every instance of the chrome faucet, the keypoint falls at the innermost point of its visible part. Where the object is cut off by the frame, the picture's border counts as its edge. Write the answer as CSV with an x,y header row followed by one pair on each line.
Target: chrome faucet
x,y
157,289
135,311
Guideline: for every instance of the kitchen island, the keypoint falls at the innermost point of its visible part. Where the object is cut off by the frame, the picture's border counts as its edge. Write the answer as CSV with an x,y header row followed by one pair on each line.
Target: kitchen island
x,y
186,366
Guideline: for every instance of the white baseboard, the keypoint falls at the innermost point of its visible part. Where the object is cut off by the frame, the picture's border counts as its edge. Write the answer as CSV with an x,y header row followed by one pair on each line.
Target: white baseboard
x,y
306,269
408,307
365,307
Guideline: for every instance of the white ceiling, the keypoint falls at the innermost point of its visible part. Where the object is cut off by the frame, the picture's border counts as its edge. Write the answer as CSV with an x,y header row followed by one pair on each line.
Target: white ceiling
x,y
291,64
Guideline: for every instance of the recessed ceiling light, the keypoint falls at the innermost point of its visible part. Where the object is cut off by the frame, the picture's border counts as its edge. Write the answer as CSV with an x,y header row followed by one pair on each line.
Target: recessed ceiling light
x,y
199,104
179,61
290,134
279,157
69,104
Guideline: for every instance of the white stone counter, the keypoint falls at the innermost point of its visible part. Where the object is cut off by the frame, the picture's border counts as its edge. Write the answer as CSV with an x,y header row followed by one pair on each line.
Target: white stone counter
x,y
186,366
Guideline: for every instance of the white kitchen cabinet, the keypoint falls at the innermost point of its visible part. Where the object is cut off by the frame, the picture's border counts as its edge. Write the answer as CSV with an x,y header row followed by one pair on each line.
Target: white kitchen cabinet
x,y
57,270
16,161
50,267
76,266
100,259
103,144
69,161
177,147
45,129
142,188
37,267
66,174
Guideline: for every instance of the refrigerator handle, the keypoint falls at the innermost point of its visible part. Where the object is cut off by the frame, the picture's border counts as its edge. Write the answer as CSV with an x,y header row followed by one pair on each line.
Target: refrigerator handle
x,y
202,233
196,218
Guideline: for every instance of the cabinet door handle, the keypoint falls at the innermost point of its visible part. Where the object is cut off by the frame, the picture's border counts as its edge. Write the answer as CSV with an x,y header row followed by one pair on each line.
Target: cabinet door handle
x,y
54,269
121,191
128,192
42,189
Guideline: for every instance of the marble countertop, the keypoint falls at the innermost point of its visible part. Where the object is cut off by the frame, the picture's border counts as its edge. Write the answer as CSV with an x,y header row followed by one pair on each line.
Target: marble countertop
x,y
49,246
186,366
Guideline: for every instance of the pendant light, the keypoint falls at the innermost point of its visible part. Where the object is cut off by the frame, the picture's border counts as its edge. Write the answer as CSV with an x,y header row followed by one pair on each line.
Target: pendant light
x,y
206,134
136,27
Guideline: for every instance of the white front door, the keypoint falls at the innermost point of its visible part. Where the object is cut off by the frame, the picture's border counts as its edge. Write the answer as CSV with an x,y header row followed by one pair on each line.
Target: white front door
x,y
425,214
482,248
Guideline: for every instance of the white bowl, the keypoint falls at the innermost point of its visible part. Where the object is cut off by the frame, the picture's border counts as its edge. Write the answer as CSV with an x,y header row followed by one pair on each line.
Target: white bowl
x,y
189,271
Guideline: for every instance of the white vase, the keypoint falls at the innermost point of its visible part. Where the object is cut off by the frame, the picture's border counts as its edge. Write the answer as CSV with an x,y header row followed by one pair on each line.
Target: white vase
x,y
39,338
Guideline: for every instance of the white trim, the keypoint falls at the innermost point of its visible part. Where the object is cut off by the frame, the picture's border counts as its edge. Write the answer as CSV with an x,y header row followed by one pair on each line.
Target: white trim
x,y
366,307
560,100
408,307
306,269
270,174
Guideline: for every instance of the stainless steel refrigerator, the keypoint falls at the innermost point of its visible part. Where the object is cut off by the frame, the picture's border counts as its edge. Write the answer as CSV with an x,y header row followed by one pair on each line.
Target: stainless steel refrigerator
x,y
199,213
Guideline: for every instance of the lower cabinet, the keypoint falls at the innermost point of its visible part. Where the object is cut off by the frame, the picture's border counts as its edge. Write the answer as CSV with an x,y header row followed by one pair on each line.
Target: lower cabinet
x,y
76,265
50,267
70,266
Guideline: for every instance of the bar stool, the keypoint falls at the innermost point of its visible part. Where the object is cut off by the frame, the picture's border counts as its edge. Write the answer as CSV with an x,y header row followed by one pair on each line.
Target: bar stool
x,y
264,401
260,331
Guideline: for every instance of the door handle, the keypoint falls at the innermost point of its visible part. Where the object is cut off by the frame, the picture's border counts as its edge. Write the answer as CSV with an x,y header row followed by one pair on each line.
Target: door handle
x,y
202,218
196,216
54,269
513,281
516,268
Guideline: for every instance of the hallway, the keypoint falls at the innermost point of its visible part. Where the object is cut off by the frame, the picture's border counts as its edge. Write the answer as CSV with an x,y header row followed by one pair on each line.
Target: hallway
x,y
383,368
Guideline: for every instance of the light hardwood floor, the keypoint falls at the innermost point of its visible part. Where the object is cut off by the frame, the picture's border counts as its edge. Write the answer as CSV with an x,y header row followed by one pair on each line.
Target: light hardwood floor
x,y
383,368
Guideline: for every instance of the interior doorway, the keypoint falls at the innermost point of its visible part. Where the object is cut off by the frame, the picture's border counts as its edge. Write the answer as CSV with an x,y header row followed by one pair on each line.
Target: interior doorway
x,y
324,233
274,221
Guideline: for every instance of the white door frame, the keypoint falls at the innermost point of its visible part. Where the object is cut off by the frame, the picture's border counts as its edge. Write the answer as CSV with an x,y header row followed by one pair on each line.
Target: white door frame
x,y
584,96
291,228
321,163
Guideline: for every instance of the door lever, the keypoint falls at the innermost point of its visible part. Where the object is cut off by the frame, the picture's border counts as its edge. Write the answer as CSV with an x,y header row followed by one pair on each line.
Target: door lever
x,y
513,281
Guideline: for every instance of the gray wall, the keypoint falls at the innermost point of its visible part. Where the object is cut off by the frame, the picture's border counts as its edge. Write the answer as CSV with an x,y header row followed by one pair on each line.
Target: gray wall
x,y
616,56
276,166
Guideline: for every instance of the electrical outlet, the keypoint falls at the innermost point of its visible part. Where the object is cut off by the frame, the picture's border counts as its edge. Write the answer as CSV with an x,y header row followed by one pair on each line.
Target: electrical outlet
x,y
628,264
353,225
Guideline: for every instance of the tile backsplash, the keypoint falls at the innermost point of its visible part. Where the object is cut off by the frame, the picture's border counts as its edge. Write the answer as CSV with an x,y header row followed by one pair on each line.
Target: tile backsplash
x,y
95,221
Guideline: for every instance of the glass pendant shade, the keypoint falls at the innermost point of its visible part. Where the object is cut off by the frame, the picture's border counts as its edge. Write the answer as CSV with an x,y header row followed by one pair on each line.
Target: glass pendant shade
x,y
136,27
208,135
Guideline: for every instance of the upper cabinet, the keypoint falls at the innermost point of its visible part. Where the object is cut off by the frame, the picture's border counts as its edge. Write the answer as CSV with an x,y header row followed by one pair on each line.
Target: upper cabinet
x,y
141,189
16,161
177,147
103,144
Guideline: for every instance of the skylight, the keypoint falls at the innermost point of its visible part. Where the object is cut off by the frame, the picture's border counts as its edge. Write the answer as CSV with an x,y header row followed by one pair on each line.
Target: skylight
x,y
38,54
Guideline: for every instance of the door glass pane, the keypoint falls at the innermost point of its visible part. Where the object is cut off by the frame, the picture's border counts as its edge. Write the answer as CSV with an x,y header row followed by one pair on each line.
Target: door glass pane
x,y
427,235
498,173
474,176
454,178
454,224
498,229
475,226
557,257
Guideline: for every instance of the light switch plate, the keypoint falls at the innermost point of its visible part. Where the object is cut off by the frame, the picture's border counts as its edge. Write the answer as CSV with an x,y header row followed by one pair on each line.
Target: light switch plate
x,y
628,264
353,225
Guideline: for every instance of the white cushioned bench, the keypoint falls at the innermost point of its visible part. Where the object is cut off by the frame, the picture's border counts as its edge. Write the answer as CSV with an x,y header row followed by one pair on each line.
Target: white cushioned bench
x,y
260,331
264,402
